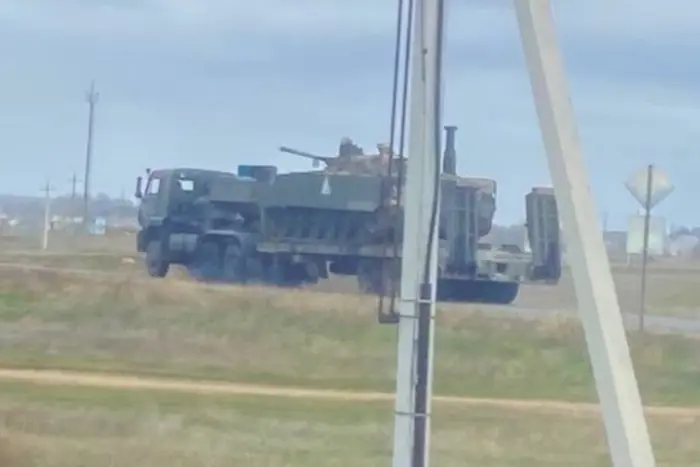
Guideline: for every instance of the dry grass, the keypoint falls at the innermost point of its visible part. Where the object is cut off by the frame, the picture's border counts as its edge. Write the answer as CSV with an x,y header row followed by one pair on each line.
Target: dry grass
x,y
68,428
672,289
122,323
173,328
670,292
65,242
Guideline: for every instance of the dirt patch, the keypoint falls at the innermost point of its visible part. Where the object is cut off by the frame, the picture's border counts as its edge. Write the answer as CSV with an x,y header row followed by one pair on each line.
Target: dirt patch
x,y
97,380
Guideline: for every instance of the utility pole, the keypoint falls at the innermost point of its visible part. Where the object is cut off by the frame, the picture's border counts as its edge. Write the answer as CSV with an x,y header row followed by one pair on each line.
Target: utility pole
x,y
92,97
599,309
47,214
74,188
414,367
74,180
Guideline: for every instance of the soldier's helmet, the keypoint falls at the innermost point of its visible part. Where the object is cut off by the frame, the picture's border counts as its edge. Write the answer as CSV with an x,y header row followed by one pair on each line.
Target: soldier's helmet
x,y
346,148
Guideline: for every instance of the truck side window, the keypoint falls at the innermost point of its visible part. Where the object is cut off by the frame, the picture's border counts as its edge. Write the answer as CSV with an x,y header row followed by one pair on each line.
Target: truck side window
x,y
186,185
153,187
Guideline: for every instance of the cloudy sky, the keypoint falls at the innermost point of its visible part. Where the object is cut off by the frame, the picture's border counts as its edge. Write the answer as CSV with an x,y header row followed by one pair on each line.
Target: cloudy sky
x,y
215,83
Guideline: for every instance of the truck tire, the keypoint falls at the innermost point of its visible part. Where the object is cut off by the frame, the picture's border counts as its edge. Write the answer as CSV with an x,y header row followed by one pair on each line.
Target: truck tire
x,y
285,274
206,265
498,293
156,264
234,264
378,277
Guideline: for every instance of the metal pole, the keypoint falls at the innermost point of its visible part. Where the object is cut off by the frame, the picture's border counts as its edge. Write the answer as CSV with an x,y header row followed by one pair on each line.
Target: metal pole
x,y
47,216
73,202
92,98
645,246
626,427
74,188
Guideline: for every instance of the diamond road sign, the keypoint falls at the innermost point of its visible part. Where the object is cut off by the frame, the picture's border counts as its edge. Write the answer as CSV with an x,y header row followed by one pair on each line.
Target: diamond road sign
x,y
661,186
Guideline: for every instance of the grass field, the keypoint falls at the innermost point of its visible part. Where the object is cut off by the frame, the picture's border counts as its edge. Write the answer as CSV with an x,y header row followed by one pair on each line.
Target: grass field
x,y
672,287
64,242
124,324
181,329
51,427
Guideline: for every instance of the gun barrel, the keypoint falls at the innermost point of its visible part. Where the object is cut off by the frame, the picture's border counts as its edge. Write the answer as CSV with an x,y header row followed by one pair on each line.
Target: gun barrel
x,y
297,152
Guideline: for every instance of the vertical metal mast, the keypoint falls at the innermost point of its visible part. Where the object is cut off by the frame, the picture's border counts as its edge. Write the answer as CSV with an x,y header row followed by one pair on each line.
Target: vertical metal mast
x,y
417,296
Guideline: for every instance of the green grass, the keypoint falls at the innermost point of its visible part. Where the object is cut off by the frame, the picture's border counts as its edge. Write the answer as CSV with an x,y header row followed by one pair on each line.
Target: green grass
x,y
69,427
671,291
106,262
163,328
65,242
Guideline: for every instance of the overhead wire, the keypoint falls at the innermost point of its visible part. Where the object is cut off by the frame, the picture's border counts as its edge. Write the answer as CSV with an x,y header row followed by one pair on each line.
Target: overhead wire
x,y
437,138
405,8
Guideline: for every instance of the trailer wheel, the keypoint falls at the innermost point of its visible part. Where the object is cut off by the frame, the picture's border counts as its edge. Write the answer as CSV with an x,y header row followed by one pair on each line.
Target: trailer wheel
x,y
254,270
234,264
156,265
378,277
282,273
498,293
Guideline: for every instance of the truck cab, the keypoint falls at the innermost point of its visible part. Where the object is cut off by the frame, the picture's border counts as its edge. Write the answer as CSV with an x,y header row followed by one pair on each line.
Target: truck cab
x,y
190,216
170,197
169,214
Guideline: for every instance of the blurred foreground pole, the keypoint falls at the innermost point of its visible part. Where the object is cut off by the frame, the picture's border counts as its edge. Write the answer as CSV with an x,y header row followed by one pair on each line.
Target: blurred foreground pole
x,y
626,428
414,375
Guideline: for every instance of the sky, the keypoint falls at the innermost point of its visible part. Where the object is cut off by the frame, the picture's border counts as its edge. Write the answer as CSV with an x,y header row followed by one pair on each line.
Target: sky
x,y
217,83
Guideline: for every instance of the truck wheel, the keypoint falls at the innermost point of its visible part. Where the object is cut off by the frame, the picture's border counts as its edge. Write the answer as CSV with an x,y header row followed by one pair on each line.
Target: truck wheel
x,y
498,293
378,277
206,265
508,293
285,274
254,270
156,265
234,264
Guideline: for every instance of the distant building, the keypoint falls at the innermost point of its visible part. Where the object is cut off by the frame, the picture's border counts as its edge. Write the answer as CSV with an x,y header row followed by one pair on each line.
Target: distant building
x,y
684,246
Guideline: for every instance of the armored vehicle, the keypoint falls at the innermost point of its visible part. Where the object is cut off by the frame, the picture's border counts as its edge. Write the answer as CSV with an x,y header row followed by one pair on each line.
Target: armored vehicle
x,y
299,228
349,206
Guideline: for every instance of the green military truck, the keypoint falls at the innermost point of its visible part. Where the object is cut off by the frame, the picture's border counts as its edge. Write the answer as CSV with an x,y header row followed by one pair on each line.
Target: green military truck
x,y
299,228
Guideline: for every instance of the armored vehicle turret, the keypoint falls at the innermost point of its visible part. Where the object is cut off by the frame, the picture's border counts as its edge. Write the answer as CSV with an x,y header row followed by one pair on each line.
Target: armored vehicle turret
x,y
351,159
